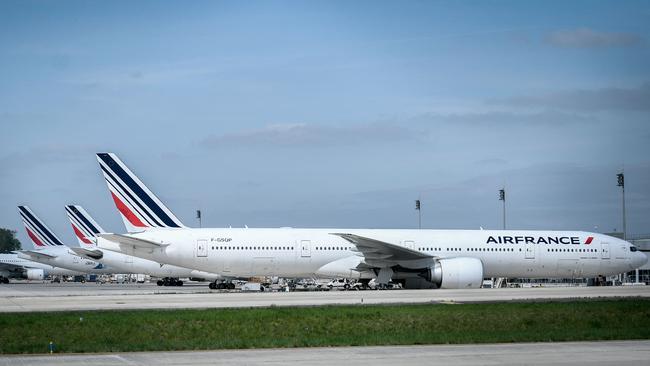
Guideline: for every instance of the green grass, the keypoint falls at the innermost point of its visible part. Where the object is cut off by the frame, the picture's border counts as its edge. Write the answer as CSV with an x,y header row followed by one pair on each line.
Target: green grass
x,y
140,330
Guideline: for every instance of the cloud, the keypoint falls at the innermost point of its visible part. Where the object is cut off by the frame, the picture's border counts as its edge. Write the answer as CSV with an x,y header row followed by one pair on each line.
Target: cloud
x,y
504,118
588,38
141,75
631,99
304,135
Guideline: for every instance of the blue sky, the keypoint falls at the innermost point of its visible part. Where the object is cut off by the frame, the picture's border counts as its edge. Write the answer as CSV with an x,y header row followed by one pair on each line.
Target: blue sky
x,y
323,114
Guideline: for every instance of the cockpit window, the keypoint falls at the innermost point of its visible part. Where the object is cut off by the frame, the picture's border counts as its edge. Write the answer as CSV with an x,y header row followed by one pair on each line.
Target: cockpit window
x,y
633,249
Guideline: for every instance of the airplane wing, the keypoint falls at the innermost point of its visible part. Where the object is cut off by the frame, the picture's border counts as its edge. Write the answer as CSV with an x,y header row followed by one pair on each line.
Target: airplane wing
x,y
36,255
382,254
94,254
129,240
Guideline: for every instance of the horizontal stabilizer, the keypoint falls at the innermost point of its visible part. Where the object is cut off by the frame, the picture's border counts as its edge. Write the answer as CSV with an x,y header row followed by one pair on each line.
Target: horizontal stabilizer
x,y
36,254
129,240
94,254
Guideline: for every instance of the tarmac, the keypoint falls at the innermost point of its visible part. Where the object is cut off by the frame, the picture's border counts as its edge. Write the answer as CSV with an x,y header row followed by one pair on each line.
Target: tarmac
x,y
618,353
34,297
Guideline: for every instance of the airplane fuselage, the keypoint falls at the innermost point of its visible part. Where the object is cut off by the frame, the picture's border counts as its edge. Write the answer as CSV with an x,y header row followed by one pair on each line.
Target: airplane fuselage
x,y
15,261
123,263
296,253
64,257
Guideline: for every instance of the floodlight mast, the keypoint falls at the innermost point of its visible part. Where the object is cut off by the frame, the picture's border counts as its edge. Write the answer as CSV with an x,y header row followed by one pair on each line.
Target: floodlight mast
x,y
502,197
621,183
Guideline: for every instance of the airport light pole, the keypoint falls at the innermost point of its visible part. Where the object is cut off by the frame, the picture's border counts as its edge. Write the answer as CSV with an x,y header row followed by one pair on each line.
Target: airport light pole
x,y
502,197
198,216
417,207
620,177
621,183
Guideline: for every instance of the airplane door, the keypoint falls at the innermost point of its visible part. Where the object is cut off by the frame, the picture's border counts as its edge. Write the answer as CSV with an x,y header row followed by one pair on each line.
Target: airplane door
x,y
305,248
128,259
201,248
409,244
530,251
604,253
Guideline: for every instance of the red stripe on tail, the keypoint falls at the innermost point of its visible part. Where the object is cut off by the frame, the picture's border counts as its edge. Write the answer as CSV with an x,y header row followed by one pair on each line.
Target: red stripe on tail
x,y
134,220
34,238
80,235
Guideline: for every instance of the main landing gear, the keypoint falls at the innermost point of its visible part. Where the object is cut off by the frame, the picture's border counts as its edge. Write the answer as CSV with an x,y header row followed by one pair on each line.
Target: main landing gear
x,y
169,281
221,285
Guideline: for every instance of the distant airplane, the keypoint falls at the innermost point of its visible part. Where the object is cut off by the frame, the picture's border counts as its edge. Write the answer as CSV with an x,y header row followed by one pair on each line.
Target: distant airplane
x,y
49,249
12,266
86,230
415,258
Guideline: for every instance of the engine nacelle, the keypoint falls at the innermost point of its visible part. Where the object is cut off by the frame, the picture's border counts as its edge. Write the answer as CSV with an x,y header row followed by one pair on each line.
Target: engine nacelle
x,y
462,272
35,274
342,268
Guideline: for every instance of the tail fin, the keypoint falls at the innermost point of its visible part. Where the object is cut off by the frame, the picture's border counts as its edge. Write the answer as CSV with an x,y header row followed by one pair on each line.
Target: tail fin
x,y
139,207
40,234
84,226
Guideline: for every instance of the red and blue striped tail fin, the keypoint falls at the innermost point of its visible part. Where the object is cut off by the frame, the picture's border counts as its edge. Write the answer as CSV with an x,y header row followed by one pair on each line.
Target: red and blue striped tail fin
x,y
84,226
38,232
139,207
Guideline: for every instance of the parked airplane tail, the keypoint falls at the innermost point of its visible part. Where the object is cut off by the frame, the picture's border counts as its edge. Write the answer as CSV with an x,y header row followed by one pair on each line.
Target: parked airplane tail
x,y
38,232
139,207
85,228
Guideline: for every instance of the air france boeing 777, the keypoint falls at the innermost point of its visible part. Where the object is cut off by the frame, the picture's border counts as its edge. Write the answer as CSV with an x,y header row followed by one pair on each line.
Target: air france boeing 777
x,y
416,258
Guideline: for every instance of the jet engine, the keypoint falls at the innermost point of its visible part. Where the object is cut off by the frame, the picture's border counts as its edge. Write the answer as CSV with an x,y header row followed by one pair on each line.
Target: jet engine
x,y
35,274
454,273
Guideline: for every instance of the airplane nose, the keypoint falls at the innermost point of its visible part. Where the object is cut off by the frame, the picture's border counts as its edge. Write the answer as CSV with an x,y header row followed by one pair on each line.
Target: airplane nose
x,y
639,260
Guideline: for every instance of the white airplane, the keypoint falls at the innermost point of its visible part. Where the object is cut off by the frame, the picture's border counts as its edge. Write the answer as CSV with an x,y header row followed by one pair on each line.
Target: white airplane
x,y
50,249
416,258
13,266
86,230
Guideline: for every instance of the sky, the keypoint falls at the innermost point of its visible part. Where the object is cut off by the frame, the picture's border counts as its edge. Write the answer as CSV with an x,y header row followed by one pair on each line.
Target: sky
x,y
330,113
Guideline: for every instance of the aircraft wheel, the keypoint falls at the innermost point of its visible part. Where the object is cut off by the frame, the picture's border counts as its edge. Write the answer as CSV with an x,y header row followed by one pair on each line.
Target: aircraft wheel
x,y
346,286
231,286
212,286
179,283
160,283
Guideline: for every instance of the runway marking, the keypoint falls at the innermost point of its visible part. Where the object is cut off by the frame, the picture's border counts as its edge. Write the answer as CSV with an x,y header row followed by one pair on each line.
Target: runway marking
x,y
574,353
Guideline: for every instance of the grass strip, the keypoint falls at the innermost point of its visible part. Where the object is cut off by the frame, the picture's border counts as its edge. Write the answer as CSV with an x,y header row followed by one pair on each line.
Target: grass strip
x,y
154,330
